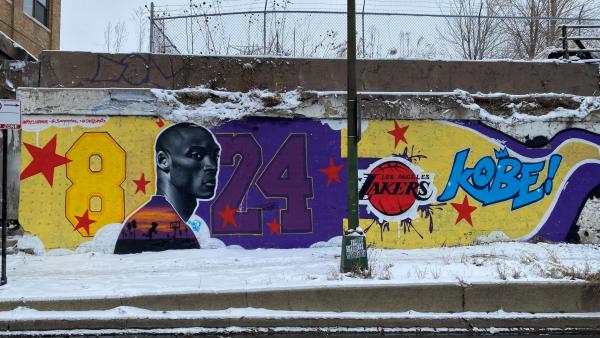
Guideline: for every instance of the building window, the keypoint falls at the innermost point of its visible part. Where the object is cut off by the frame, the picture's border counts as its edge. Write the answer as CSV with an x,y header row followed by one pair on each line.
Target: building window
x,y
37,9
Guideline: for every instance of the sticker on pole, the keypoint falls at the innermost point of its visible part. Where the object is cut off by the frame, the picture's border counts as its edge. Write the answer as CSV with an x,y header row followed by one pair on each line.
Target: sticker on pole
x,y
10,114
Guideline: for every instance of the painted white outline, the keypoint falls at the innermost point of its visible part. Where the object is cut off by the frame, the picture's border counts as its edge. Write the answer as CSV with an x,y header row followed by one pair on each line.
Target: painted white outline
x,y
412,211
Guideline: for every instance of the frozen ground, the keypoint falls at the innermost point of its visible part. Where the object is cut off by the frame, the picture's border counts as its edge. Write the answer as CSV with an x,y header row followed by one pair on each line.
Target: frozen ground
x,y
63,274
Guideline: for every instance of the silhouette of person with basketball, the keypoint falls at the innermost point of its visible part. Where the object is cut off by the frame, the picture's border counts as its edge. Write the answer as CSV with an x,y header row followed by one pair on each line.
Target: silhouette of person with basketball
x,y
187,162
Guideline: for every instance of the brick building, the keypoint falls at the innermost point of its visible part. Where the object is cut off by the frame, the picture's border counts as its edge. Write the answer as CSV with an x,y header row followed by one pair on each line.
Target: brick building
x,y
33,24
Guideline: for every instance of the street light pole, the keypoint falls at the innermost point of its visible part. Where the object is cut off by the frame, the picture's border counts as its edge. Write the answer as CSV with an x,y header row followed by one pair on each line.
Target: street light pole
x,y
354,253
352,120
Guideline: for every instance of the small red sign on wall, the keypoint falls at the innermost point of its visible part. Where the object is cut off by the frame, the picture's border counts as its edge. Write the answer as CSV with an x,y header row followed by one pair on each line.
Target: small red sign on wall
x,y
10,114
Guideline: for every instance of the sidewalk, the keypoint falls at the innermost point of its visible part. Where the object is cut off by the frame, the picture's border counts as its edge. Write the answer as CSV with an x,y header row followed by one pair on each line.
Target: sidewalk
x,y
503,285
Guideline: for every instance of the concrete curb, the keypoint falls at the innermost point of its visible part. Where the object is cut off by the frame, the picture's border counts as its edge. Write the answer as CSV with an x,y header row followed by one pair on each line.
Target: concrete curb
x,y
509,297
467,324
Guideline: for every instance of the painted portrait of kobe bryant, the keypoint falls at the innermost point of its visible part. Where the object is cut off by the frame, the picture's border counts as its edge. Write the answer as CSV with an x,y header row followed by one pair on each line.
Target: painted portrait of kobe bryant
x,y
186,157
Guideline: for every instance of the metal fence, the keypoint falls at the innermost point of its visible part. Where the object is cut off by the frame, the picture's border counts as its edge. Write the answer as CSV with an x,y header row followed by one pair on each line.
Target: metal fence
x,y
322,34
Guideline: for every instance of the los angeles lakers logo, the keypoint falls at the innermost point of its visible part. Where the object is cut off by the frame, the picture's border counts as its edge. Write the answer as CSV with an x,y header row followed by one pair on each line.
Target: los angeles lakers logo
x,y
393,189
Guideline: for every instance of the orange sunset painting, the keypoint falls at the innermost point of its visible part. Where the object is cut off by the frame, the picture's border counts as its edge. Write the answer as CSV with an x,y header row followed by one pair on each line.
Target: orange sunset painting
x,y
155,227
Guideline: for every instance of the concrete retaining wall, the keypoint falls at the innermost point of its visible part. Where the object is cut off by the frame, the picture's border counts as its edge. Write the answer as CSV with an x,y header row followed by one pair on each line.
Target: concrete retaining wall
x,y
89,70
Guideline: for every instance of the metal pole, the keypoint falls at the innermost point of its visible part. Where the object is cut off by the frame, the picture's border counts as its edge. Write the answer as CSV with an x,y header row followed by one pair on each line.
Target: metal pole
x,y
352,120
4,204
565,43
151,45
364,51
354,246
192,13
265,29
579,19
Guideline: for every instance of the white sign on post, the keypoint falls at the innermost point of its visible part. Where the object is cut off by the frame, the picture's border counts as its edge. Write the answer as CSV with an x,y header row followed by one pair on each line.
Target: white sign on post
x,y
10,114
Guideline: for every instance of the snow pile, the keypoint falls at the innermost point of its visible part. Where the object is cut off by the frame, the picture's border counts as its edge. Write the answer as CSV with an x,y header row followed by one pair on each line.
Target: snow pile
x,y
202,104
104,241
492,237
31,245
59,252
16,45
211,107
17,66
587,105
60,275
202,233
335,242
9,85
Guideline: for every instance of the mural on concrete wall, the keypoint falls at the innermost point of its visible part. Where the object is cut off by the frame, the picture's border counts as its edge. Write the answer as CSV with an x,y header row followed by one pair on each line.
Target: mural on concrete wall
x,y
187,163
277,182
272,182
488,184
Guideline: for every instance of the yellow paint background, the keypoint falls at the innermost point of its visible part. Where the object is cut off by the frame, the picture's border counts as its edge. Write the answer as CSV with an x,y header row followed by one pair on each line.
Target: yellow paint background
x,y
39,202
440,141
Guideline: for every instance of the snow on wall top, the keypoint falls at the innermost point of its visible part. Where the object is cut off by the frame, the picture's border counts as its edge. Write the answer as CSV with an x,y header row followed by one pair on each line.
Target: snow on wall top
x,y
212,107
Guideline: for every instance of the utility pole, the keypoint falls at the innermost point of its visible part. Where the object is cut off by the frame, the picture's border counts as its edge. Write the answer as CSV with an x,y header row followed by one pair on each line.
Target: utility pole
x,y
364,51
151,44
3,278
552,29
265,29
354,251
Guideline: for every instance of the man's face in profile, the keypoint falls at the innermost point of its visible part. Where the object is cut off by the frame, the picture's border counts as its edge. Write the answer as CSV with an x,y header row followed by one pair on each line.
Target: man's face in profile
x,y
194,162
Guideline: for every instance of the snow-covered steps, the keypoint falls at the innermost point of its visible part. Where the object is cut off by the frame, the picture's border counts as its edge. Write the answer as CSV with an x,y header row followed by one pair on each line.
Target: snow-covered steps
x,y
127,320
559,297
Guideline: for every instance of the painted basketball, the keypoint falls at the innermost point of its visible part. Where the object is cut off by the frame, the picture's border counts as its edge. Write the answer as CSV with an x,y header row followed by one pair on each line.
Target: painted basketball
x,y
397,177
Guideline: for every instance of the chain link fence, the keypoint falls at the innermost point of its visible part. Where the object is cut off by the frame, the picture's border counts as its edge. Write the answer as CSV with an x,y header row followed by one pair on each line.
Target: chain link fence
x,y
322,34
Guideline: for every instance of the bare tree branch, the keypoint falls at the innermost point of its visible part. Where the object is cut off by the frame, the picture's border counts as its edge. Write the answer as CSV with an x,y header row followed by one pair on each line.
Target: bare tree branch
x,y
470,31
139,18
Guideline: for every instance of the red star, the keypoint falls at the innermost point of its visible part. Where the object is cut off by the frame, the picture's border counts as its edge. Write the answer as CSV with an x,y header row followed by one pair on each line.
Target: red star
x,y
398,133
227,216
83,222
464,211
43,161
275,227
160,123
332,172
141,184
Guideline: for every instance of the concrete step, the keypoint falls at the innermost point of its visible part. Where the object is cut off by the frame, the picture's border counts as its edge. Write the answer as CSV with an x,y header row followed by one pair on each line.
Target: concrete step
x,y
569,297
246,320
11,241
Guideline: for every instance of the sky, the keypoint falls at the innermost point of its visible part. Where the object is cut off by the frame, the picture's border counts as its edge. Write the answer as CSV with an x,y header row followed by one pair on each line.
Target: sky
x,y
83,21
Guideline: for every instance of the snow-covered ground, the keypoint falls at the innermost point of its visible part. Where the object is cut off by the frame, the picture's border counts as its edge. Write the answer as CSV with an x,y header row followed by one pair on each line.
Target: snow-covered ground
x,y
63,274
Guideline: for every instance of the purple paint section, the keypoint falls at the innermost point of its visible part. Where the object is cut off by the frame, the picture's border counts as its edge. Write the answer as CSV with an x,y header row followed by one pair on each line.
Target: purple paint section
x,y
288,188
579,185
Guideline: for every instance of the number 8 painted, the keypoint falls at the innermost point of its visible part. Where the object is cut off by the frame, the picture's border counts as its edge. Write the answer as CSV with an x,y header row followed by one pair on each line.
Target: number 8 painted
x,y
96,171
